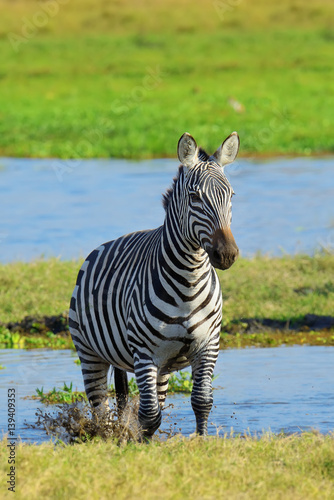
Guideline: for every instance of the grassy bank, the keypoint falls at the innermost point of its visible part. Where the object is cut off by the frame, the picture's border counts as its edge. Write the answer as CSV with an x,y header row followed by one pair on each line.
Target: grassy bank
x,y
294,467
263,299
127,80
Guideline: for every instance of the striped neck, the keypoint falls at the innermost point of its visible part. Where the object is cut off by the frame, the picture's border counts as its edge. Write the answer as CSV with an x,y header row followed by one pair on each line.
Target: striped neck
x,y
176,252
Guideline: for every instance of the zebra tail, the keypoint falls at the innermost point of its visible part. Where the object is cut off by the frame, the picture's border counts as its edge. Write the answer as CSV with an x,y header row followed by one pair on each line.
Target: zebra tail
x,y
121,388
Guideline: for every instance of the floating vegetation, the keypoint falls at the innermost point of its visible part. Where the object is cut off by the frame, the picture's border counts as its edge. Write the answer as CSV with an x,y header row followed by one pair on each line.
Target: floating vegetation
x,y
37,332
10,340
180,382
133,387
18,340
59,396
49,340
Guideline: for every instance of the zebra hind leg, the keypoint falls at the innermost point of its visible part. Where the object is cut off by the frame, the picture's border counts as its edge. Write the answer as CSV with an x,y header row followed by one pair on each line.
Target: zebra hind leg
x,y
162,386
122,389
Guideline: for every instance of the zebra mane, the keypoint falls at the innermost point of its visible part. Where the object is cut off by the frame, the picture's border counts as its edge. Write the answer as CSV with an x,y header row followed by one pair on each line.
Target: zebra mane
x,y
202,155
167,196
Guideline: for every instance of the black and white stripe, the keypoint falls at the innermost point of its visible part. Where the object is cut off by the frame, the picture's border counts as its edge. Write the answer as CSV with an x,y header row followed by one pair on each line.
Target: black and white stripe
x,y
150,302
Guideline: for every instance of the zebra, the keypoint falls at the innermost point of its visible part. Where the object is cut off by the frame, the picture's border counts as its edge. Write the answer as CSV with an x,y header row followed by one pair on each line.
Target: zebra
x,y
150,302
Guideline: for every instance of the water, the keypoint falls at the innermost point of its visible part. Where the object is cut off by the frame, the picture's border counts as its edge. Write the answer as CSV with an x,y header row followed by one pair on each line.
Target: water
x,y
66,209
279,389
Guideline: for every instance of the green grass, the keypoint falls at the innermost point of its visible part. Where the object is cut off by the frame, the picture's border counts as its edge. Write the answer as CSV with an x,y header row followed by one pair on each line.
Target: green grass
x,y
283,288
276,338
289,467
82,86
38,288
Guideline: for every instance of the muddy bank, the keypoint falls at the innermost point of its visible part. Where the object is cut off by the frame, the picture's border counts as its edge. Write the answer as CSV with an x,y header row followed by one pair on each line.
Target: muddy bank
x,y
58,325
306,323
39,325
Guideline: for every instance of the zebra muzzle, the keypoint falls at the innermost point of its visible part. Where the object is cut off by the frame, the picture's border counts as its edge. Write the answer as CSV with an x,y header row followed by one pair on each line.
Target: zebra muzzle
x,y
224,251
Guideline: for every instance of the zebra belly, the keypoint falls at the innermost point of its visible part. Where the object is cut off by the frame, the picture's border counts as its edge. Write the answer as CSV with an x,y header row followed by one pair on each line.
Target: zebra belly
x,y
174,365
181,344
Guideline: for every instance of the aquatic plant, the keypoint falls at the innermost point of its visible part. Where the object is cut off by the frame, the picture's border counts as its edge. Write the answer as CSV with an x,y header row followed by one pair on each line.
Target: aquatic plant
x,y
60,396
179,382
11,340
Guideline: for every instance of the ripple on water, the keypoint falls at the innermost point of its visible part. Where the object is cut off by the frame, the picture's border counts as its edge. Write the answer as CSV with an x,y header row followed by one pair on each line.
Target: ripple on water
x,y
282,388
277,206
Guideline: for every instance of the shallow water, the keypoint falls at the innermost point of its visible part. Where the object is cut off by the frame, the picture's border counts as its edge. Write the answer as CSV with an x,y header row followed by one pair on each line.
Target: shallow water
x,y
279,389
68,208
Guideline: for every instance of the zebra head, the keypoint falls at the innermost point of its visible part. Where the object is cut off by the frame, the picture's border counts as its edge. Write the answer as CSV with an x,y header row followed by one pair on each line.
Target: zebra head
x,y
206,211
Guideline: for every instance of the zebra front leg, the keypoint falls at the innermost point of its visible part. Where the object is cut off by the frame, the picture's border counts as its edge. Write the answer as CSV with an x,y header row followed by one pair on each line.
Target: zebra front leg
x,y
201,396
95,376
162,386
149,414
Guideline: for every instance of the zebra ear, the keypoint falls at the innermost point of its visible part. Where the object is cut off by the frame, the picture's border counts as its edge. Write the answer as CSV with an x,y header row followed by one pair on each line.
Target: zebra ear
x,y
228,151
187,151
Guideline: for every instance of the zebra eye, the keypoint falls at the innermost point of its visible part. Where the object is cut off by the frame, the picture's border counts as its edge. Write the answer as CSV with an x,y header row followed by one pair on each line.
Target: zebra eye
x,y
194,197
